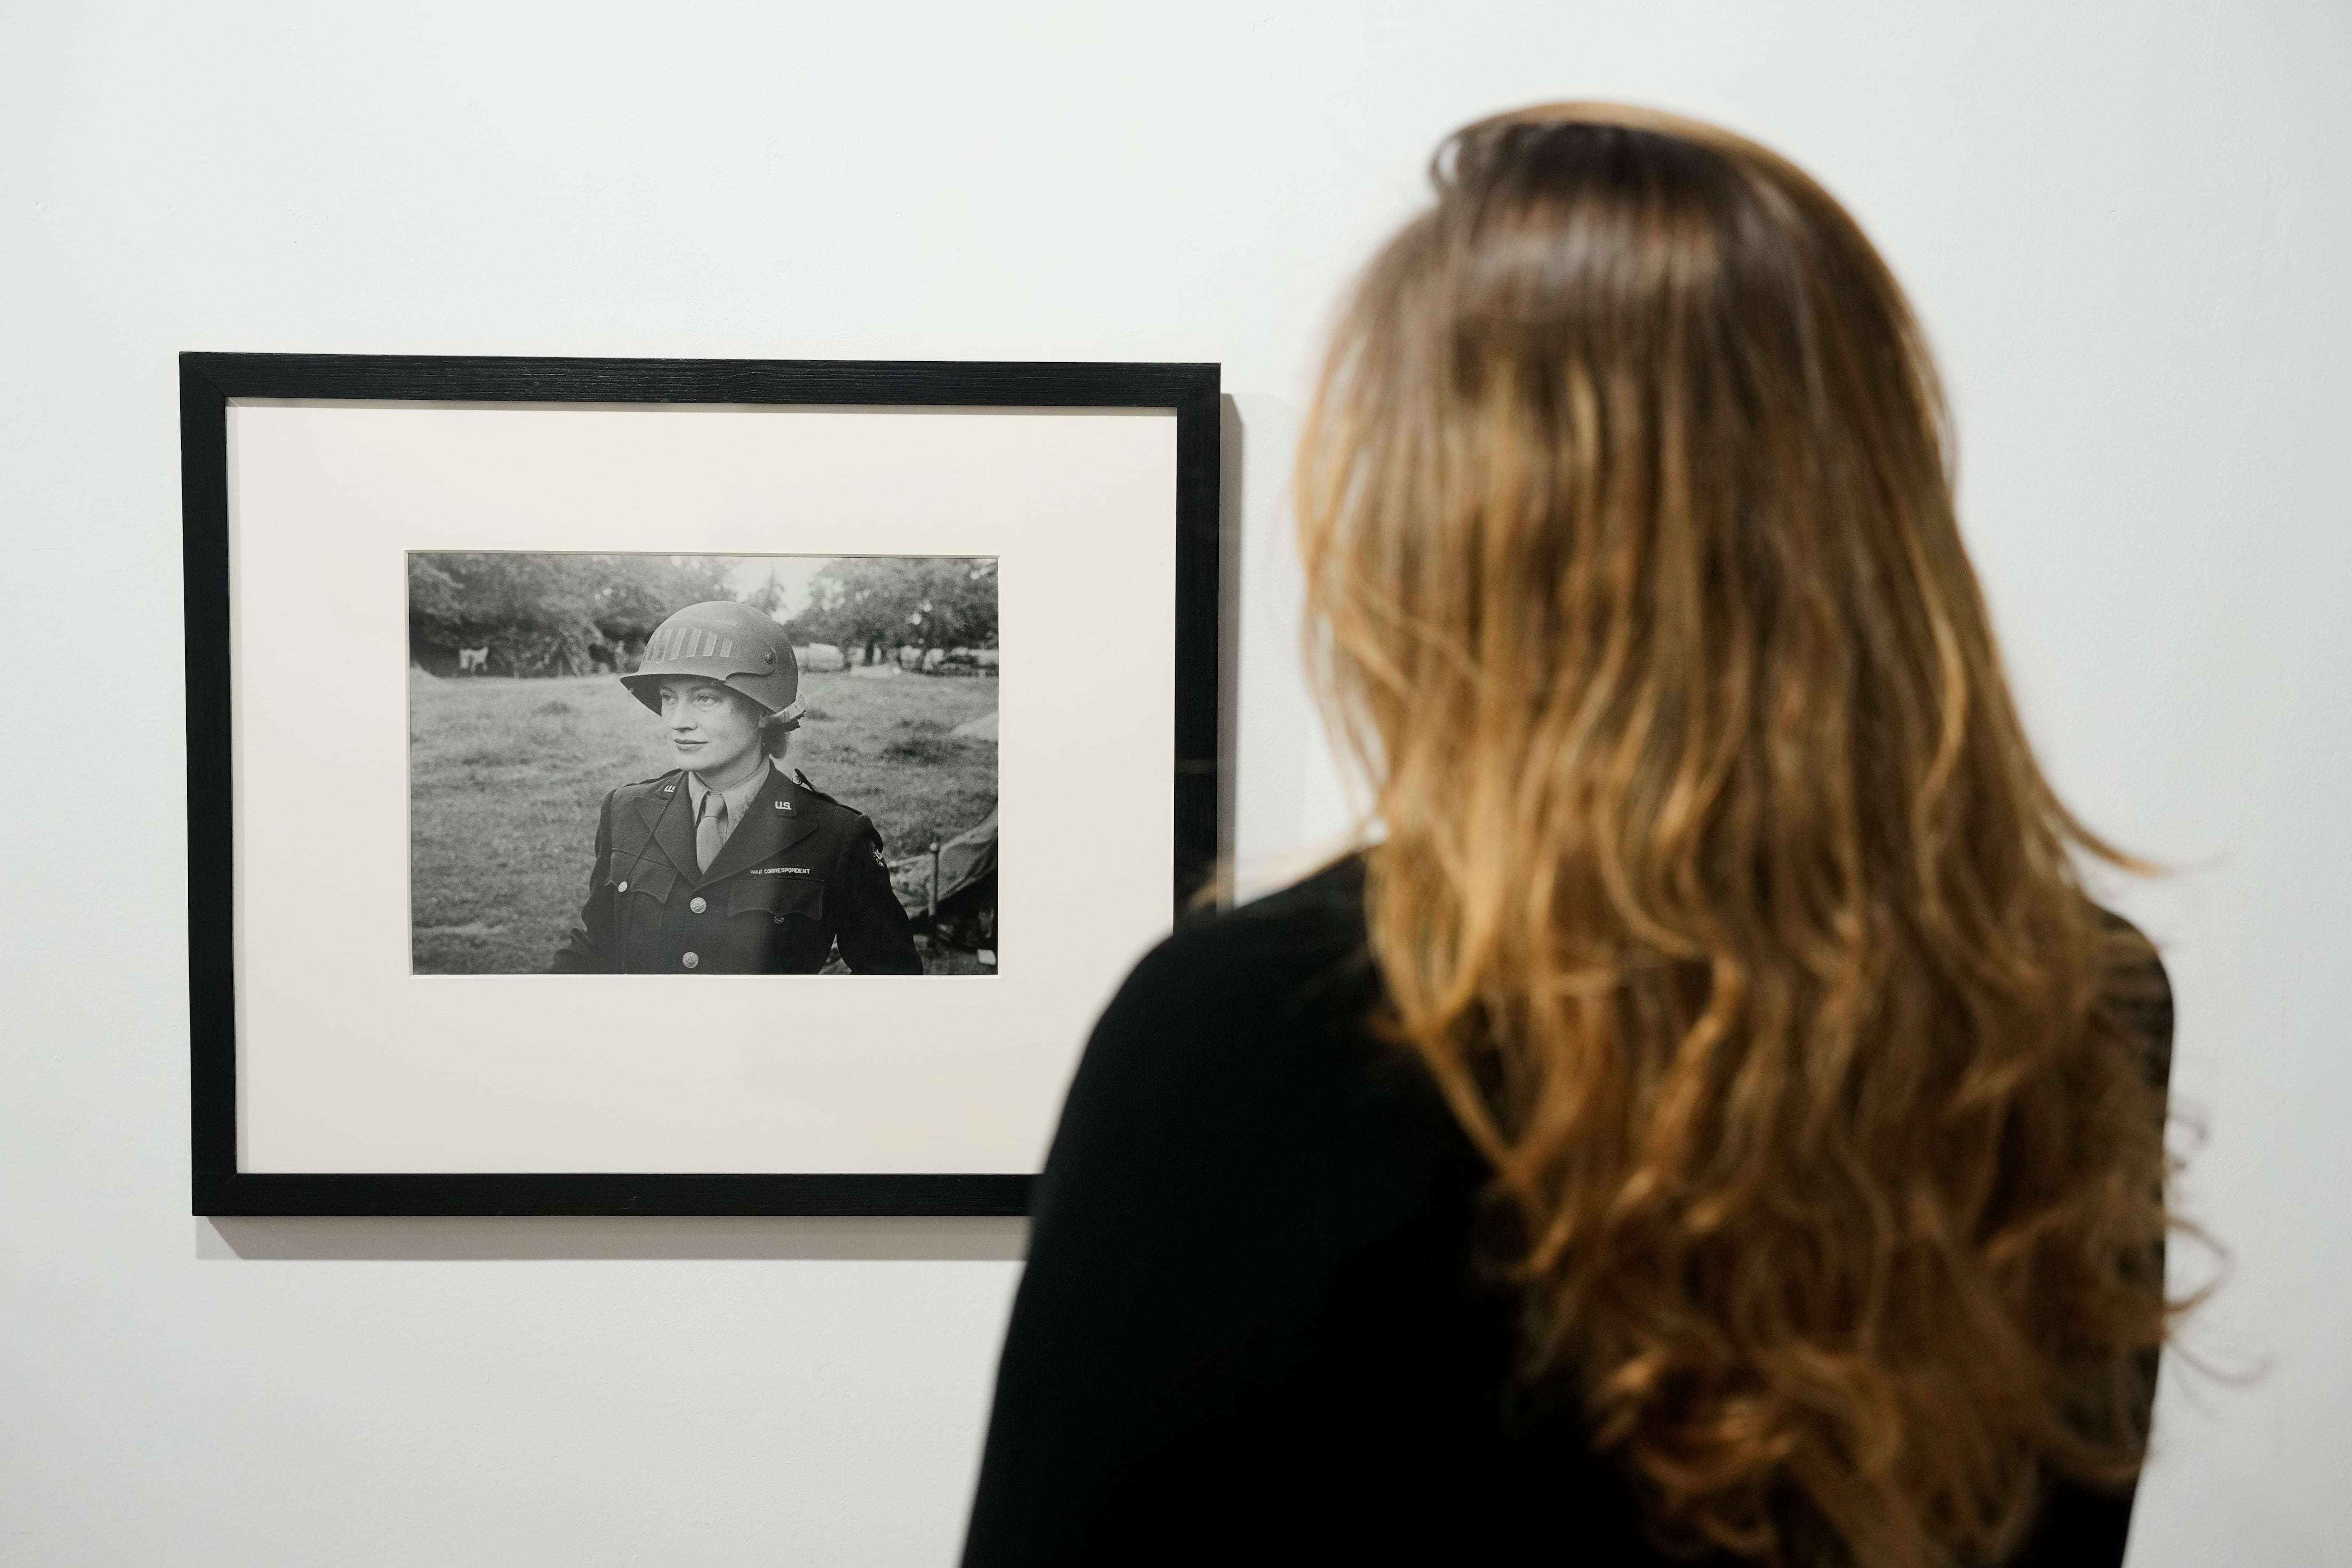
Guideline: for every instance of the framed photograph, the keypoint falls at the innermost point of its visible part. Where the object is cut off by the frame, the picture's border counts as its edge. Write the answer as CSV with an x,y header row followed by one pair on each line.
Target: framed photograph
x,y
679,787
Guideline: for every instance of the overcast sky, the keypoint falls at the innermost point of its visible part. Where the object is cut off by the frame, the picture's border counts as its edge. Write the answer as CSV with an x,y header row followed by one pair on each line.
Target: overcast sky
x,y
747,572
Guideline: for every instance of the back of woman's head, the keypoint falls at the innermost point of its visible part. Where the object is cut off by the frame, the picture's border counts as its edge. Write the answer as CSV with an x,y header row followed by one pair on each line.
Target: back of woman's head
x,y
1719,888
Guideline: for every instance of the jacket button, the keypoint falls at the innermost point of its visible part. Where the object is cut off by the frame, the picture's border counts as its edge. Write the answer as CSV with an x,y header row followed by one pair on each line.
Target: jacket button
x,y
690,960
624,887
697,907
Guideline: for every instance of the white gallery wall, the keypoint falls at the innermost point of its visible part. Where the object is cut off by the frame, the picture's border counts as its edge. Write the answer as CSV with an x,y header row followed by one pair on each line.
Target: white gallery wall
x,y
2128,228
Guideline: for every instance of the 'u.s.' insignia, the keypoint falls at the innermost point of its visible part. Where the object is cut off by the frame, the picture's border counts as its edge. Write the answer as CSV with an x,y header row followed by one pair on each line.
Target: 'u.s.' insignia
x,y
783,805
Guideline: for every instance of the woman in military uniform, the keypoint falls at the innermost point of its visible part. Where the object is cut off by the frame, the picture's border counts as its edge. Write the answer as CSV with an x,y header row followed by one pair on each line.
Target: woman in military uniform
x,y
726,866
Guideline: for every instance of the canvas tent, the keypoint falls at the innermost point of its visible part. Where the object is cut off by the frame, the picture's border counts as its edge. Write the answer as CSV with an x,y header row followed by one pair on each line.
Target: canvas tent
x,y
961,911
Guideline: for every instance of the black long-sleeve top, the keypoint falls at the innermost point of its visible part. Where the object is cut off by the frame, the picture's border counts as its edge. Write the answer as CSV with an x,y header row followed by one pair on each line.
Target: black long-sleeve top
x,y
1254,1328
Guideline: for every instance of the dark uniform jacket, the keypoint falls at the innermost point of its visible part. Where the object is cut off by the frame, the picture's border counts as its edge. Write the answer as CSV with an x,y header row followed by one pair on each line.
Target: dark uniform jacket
x,y
800,873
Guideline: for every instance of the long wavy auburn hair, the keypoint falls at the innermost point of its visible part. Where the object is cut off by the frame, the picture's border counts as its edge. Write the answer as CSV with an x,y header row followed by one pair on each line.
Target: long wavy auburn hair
x,y
1719,889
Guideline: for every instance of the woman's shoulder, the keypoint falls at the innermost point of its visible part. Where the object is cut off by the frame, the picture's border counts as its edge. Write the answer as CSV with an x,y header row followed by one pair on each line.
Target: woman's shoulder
x,y
1242,995
659,786
1235,1067
1293,948
805,794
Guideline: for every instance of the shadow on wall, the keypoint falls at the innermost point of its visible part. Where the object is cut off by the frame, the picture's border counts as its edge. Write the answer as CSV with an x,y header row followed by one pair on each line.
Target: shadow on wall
x,y
496,1237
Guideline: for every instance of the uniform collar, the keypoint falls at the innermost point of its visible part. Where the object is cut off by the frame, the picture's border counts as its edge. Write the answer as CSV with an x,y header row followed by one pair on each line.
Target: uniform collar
x,y
772,822
739,798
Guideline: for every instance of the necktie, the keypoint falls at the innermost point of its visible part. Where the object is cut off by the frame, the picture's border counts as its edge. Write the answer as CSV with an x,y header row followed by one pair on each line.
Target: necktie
x,y
709,829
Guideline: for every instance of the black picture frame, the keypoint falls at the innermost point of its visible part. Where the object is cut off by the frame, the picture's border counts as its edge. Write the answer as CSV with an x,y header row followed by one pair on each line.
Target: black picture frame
x,y
208,382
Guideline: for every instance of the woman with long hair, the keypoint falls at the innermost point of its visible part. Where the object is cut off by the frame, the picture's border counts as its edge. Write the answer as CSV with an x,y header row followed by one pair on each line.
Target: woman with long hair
x,y
1707,1117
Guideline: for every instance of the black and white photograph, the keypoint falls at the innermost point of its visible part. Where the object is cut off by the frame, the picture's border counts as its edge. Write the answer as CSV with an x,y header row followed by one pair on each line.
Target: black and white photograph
x,y
672,750
701,764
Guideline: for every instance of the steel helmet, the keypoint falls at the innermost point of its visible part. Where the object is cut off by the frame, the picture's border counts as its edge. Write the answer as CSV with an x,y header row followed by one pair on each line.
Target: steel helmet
x,y
734,645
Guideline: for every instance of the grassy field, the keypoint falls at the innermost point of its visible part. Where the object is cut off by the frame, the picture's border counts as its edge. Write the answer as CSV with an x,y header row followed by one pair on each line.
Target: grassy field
x,y
506,778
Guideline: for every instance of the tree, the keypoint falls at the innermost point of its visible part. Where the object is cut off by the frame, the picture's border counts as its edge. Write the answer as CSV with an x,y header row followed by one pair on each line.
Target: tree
x,y
769,597
880,604
543,613
633,594
955,603
862,602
